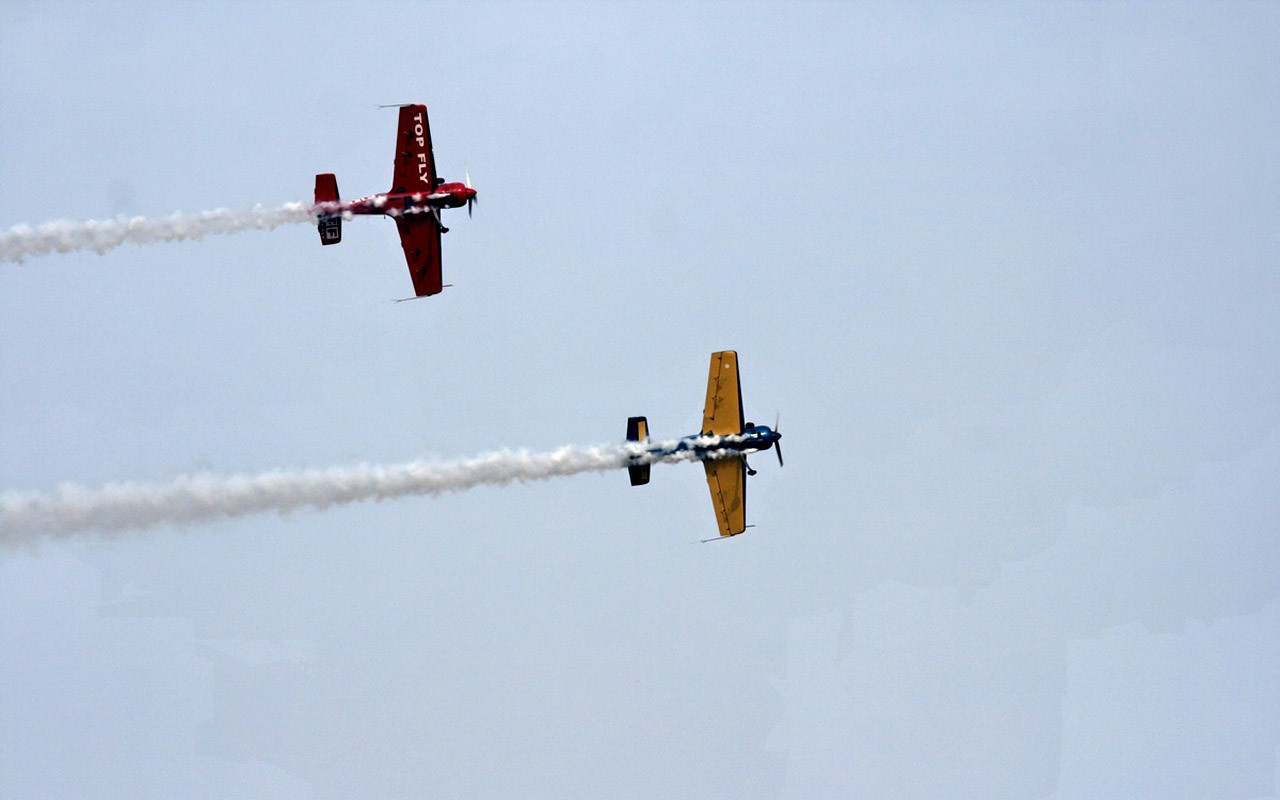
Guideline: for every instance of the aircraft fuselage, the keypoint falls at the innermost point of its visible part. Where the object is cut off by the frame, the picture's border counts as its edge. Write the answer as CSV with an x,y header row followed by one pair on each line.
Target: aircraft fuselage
x,y
446,195
753,439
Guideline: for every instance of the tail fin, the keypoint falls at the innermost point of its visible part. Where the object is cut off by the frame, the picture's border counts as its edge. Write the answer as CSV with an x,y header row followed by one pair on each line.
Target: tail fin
x,y
330,222
638,431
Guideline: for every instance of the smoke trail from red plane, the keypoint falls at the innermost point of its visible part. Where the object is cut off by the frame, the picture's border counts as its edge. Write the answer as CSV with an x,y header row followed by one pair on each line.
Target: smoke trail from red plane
x,y
24,241
26,517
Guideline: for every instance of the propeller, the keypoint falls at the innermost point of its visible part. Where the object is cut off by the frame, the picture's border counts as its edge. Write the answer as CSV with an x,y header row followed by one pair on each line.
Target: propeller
x,y
471,198
777,446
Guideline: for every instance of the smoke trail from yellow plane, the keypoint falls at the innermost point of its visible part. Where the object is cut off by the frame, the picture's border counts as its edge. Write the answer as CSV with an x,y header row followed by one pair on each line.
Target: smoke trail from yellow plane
x,y
26,517
25,241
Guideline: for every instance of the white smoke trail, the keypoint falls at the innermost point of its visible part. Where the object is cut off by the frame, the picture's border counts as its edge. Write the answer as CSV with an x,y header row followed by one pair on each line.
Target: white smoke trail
x,y
71,509
25,241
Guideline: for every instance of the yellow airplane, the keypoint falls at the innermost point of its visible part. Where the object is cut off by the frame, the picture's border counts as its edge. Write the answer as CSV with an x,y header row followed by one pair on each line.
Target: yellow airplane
x,y
722,446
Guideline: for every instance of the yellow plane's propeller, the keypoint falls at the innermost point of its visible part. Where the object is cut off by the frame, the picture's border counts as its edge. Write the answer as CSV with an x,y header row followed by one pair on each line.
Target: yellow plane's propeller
x,y
777,445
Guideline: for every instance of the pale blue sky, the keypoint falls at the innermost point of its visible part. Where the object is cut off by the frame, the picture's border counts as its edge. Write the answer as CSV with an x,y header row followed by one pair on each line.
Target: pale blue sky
x,y
1008,272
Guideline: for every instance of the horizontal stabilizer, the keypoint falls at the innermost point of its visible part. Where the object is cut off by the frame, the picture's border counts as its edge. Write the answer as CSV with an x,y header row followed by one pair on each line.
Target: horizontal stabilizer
x,y
330,226
329,223
638,431
326,188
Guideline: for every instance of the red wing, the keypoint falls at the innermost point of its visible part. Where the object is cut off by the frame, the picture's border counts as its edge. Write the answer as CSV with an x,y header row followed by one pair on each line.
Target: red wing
x,y
420,238
415,162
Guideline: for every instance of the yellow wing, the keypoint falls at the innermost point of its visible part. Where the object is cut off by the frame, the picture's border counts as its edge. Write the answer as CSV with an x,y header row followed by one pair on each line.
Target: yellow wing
x,y
727,479
722,414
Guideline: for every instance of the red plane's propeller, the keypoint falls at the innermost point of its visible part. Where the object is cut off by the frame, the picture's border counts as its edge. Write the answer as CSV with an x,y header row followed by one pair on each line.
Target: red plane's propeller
x,y
471,198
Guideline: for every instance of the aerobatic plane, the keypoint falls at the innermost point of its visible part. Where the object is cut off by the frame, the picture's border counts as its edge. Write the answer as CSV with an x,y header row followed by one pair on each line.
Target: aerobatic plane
x,y
414,202
722,445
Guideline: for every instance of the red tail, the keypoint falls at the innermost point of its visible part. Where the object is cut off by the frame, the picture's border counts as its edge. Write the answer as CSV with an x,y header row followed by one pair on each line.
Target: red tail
x,y
329,222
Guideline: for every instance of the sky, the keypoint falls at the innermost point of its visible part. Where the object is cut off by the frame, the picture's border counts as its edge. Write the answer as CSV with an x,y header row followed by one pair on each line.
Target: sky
x,y
1007,272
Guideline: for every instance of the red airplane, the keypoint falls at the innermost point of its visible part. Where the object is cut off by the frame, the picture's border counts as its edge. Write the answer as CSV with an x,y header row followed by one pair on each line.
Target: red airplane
x,y
414,202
